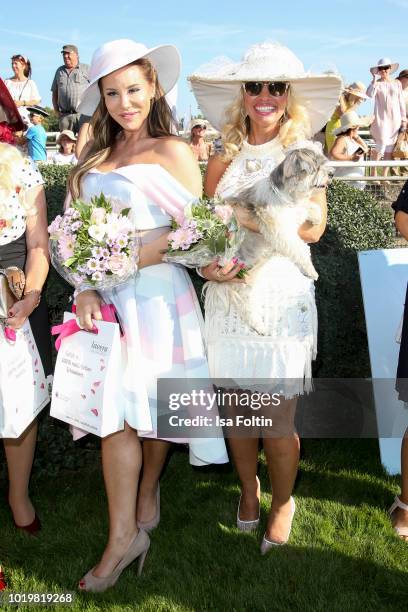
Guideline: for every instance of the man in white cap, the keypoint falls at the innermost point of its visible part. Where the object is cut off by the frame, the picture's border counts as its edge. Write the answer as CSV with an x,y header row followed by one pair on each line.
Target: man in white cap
x,y
70,81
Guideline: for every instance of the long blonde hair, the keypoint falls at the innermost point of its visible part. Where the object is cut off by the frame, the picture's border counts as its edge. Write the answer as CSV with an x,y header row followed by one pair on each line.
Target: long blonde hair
x,y
11,164
348,102
295,125
106,129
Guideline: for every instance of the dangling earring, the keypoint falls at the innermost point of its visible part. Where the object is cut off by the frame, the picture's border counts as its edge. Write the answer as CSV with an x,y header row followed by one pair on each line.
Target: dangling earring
x,y
284,117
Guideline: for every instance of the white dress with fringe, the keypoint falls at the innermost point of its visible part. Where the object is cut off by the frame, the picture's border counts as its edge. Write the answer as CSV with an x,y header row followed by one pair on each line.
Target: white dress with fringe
x,y
285,305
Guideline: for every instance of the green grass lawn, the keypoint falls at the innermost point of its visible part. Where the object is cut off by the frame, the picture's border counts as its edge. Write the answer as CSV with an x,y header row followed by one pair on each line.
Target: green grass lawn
x,y
342,556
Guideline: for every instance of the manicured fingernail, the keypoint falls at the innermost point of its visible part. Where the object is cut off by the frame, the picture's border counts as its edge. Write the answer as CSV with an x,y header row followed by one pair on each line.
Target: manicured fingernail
x,y
235,260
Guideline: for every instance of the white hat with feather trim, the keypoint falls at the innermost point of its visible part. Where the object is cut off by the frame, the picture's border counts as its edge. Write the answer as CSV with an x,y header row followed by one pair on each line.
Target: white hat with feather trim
x,y
217,84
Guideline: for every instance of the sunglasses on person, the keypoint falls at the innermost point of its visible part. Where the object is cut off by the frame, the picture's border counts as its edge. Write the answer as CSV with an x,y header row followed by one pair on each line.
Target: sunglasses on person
x,y
200,127
277,89
384,67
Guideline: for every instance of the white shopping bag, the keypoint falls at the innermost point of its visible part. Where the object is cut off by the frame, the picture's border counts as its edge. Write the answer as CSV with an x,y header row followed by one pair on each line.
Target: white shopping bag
x,y
87,386
23,386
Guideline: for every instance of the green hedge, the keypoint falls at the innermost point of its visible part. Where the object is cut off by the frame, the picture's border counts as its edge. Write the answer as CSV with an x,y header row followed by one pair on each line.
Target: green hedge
x,y
356,221
58,291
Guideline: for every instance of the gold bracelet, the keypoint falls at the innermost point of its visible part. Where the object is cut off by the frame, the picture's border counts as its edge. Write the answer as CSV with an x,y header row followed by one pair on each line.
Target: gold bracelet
x,y
37,292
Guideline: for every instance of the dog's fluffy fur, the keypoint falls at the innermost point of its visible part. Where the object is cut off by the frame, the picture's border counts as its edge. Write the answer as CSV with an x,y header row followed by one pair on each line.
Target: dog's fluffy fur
x,y
280,205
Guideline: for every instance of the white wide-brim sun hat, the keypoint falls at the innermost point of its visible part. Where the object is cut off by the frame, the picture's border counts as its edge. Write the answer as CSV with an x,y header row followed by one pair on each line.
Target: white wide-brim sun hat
x,y
217,84
350,120
357,89
118,53
384,61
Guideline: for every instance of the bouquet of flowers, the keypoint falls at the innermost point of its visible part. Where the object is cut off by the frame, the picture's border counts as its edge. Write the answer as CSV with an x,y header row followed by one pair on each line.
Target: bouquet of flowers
x,y
209,231
93,244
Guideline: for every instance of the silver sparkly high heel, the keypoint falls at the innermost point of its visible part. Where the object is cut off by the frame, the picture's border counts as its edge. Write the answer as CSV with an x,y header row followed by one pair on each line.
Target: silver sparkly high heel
x,y
247,525
268,544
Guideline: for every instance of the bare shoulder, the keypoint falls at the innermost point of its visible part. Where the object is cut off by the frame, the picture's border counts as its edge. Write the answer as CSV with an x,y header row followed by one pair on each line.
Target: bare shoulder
x,y
177,158
172,146
215,169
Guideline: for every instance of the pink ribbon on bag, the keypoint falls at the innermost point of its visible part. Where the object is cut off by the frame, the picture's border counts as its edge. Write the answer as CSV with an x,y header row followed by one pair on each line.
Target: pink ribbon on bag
x,y
70,327
109,315
10,334
67,329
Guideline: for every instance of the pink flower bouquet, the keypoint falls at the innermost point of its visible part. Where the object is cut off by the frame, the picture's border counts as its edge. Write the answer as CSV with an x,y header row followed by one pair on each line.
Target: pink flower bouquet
x,y
208,232
93,244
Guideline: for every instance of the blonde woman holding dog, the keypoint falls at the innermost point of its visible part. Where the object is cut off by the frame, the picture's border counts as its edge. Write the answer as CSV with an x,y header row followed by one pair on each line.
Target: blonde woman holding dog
x,y
264,105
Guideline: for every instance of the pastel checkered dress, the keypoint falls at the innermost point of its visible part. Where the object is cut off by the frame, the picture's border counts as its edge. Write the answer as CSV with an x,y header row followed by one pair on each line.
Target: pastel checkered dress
x,y
159,310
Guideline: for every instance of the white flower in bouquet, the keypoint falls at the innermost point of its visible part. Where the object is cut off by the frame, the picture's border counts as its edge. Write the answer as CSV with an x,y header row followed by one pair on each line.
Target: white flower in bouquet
x,y
97,232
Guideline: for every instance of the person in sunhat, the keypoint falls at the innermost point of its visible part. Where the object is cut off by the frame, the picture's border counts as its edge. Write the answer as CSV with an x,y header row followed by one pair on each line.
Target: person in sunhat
x,y
351,96
36,136
389,108
200,148
265,105
349,146
134,157
66,151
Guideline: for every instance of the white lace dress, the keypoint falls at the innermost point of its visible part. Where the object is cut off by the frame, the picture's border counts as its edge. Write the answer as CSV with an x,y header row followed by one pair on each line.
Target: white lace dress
x,y
285,305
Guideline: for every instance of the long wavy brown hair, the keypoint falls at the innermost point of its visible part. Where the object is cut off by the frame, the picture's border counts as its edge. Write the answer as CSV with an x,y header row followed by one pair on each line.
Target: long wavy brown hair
x,y
106,130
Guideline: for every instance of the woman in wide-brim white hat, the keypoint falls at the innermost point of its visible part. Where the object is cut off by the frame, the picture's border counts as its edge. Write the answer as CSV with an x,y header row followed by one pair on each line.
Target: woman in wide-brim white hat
x,y
263,105
351,96
349,146
389,108
134,158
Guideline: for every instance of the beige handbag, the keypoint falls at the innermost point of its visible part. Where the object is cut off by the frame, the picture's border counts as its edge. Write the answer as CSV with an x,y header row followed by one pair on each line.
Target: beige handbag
x,y
12,283
400,150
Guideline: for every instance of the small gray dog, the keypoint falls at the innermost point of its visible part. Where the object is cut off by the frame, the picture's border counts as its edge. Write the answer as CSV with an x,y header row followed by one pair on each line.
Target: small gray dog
x,y
280,205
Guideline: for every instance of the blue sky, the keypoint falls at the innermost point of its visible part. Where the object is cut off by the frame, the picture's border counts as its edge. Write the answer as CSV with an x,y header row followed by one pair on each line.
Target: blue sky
x,y
349,35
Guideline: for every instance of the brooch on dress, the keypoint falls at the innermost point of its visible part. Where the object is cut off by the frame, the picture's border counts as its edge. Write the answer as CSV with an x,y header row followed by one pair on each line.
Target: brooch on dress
x,y
253,165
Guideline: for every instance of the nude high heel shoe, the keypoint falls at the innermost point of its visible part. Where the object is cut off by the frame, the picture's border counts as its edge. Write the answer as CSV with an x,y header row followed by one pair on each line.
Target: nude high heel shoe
x,y
268,544
138,549
247,525
152,524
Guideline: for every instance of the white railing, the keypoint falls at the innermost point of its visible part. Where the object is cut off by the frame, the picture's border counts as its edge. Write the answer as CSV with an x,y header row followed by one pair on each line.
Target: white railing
x,y
397,163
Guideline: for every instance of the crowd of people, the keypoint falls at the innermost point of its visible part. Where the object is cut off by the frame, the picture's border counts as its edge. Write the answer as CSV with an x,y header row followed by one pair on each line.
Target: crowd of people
x,y
270,106
389,95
